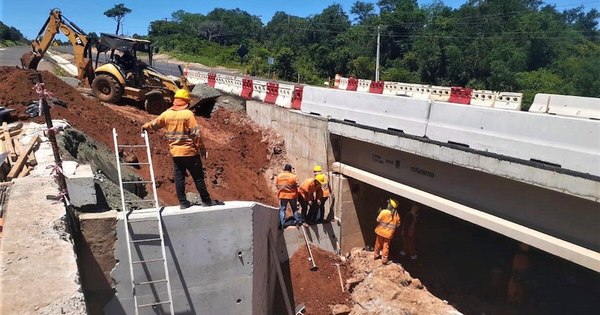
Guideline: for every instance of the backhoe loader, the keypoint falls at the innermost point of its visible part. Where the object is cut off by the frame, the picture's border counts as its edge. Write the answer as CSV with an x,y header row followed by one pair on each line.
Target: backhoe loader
x,y
122,75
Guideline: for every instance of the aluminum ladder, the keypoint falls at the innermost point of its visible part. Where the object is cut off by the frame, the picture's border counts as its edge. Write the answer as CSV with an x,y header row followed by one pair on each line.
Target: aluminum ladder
x,y
130,238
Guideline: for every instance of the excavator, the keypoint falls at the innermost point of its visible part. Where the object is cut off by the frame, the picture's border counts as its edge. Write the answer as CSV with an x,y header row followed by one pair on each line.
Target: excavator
x,y
123,75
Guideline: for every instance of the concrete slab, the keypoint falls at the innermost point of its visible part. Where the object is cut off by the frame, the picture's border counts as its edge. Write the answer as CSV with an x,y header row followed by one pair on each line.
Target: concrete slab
x,y
38,267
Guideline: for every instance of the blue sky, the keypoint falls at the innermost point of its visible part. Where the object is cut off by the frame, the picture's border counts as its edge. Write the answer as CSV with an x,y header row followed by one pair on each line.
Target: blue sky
x,y
29,16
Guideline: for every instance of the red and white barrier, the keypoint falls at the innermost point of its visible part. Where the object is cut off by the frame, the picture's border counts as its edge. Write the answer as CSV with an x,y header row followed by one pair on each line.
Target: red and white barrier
x,y
484,98
272,92
363,86
391,88
440,93
297,97
421,92
237,86
285,95
460,95
212,79
343,84
259,90
376,87
509,100
247,88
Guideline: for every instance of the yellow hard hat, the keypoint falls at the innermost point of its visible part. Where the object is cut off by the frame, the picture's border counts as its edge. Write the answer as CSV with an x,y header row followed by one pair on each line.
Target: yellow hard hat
x,y
321,179
183,94
317,168
394,203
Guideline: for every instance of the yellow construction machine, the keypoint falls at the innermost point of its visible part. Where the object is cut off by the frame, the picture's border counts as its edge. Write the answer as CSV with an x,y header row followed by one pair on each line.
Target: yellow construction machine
x,y
122,75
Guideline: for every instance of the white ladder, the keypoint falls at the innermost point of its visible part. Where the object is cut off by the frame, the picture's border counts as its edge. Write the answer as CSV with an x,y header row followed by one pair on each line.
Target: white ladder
x,y
131,240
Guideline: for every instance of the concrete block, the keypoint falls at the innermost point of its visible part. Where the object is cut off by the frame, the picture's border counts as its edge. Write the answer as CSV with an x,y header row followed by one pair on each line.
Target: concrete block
x,y
380,111
570,143
81,186
217,258
566,105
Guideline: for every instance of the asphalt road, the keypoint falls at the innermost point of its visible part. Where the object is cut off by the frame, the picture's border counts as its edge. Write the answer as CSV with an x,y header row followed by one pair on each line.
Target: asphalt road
x,y
11,56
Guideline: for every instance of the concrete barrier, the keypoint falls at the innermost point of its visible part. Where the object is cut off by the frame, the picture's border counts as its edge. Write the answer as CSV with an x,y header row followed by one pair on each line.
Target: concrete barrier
x,y
218,259
422,92
196,77
237,86
379,111
363,86
259,90
391,88
284,96
343,84
565,105
509,100
483,98
562,141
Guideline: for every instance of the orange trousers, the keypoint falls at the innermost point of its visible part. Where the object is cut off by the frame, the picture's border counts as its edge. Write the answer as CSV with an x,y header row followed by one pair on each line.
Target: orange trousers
x,y
382,244
408,245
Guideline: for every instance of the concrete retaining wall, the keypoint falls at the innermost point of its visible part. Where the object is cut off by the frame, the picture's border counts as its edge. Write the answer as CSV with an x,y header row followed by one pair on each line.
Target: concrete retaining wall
x,y
305,136
218,261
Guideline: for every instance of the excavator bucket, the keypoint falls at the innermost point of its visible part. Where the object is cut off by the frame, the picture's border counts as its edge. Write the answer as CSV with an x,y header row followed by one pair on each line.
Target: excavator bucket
x,y
30,60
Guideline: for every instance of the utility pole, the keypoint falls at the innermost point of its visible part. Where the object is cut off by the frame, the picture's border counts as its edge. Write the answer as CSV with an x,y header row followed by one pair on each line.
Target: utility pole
x,y
378,50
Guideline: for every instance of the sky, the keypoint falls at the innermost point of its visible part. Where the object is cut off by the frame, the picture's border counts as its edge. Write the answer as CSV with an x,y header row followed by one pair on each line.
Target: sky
x,y
89,14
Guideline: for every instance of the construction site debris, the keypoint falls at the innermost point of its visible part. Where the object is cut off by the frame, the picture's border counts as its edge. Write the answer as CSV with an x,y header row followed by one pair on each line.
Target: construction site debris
x,y
389,289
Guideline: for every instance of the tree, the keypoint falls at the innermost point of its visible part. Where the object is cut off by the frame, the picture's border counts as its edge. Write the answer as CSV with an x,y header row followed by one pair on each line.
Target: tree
x,y
363,11
117,13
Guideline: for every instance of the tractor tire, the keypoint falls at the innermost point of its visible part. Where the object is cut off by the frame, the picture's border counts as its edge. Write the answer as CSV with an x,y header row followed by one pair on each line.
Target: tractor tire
x,y
155,104
107,88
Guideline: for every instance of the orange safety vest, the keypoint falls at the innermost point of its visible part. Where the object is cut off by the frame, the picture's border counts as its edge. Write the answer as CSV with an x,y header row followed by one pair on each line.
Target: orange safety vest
x,y
387,223
325,188
287,185
182,131
309,187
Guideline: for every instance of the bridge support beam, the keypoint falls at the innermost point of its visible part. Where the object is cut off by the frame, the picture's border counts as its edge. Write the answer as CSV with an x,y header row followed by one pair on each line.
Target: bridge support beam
x,y
569,251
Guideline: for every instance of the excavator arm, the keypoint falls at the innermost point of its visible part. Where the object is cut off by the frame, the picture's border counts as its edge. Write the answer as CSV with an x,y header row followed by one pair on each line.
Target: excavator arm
x,y
77,37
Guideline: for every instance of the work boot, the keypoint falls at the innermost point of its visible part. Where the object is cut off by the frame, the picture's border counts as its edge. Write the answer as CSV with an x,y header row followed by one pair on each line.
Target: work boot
x,y
375,257
185,205
209,203
385,261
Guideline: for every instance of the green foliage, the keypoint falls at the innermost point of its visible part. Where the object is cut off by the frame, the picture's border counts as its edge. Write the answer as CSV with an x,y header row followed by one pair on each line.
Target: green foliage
x,y
117,13
514,45
9,35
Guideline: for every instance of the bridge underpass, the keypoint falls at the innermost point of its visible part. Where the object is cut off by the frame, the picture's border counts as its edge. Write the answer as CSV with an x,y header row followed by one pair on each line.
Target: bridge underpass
x,y
548,218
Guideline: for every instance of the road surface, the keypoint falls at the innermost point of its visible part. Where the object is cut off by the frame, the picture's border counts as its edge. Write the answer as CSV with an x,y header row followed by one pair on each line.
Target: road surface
x,y
11,56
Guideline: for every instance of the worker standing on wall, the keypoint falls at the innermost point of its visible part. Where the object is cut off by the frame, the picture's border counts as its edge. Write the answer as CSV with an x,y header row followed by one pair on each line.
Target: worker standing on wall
x,y
318,171
287,192
387,222
408,230
185,146
309,197
516,292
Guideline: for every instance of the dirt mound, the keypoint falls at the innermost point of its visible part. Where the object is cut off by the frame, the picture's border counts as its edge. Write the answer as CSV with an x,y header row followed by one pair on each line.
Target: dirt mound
x,y
320,289
389,289
239,152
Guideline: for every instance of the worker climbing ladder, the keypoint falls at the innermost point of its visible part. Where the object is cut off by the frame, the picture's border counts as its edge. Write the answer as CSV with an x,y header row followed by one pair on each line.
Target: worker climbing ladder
x,y
133,242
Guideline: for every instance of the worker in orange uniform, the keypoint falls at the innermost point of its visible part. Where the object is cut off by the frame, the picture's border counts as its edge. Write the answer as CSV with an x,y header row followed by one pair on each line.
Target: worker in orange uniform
x,y
309,195
185,146
287,192
408,230
317,170
516,284
387,222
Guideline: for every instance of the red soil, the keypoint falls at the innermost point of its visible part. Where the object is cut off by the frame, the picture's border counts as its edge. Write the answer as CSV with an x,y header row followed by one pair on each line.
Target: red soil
x,y
237,156
319,289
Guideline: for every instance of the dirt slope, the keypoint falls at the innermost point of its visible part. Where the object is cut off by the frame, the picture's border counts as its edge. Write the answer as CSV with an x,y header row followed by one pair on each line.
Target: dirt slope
x,y
239,152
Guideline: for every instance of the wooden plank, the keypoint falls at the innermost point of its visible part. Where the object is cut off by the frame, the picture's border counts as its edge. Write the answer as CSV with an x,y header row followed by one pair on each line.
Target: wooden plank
x,y
8,141
18,166
13,133
31,160
24,172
